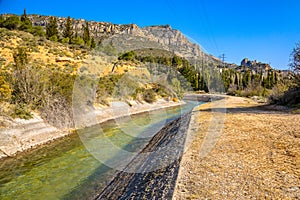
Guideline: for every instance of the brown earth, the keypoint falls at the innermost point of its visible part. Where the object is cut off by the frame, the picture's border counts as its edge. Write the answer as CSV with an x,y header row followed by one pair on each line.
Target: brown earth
x,y
256,156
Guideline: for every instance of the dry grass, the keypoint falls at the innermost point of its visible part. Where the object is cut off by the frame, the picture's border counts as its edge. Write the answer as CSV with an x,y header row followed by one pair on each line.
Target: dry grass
x,y
256,157
40,51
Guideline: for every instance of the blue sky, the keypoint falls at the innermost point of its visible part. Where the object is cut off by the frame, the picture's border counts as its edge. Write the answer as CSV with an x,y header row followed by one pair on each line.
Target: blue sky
x,y
263,30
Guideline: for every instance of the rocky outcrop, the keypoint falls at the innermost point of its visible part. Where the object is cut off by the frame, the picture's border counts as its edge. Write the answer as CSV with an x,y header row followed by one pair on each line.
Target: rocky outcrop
x,y
130,36
254,65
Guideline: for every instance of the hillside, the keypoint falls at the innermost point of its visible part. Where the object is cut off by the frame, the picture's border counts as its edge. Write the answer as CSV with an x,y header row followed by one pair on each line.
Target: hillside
x,y
127,37
43,57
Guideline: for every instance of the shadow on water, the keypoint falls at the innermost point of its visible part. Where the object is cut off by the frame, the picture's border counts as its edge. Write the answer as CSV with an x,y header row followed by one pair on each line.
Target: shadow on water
x,y
160,182
104,175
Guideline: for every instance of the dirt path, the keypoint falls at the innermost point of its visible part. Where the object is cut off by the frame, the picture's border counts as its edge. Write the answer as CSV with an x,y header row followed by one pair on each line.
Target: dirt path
x,y
257,156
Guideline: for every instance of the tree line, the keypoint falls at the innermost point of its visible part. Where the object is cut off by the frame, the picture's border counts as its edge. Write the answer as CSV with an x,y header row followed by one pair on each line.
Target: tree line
x,y
206,77
69,36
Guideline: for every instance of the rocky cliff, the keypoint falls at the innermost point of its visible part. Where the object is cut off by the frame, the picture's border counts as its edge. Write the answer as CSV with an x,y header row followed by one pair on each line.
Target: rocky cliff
x,y
255,65
130,36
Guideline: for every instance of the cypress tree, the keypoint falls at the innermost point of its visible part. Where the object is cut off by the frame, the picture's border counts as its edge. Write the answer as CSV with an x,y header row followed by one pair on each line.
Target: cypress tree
x,y
93,43
26,24
68,32
51,29
86,34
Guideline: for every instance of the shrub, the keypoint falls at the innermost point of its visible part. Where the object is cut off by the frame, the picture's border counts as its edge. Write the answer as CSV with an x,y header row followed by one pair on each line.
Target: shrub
x,y
21,111
149,96
127,56
12,22
5,91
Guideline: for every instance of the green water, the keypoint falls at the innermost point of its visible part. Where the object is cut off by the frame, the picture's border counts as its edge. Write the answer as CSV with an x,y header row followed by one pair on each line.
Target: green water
x,y
65,169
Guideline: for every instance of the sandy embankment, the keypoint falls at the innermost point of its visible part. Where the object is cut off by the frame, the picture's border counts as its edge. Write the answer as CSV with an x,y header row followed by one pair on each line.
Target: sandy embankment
x,y
256,156
23,135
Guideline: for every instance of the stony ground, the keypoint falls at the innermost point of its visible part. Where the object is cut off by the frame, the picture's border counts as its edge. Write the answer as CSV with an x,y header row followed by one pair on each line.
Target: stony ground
x,y
257,155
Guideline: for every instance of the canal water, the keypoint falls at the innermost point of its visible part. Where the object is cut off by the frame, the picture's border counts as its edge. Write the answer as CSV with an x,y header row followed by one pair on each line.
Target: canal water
x,y
67,169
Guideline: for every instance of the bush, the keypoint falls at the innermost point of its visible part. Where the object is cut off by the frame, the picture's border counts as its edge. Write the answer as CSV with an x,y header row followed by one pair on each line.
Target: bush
x,y
21,111
77,40
127,56
5,91
149,96
38,31
65,40
12,22
53,38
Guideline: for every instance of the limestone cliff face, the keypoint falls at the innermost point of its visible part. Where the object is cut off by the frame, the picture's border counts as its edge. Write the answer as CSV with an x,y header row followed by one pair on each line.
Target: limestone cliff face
x,y
254,65
130,36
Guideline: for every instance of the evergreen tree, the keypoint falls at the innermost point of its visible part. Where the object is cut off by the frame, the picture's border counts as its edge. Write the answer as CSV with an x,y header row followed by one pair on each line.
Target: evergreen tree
x,y
51,29
26,24
93,43
68,32
86,34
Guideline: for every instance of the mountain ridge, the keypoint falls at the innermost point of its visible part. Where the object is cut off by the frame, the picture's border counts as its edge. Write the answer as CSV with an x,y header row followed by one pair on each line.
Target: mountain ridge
x,y
131,36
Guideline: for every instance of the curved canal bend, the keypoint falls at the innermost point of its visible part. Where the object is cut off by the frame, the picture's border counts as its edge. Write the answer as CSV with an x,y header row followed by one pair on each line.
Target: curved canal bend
x,y
65,169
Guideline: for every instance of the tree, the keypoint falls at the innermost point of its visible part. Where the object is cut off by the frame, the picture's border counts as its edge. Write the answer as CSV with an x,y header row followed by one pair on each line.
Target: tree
x,y
295,64
12,22
176,61
26,24
68,32
93,43
1,20
86,34
51,29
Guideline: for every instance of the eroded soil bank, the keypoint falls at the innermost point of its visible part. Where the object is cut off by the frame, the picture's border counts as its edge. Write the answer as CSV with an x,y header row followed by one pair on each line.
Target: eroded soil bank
x,y
22,135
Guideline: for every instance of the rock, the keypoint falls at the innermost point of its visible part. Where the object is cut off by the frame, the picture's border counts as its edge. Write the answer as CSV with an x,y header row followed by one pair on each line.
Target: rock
x,y
64,59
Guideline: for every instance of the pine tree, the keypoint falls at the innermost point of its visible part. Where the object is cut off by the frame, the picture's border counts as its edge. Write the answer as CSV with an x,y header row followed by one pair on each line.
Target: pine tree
x,y
86,34
51,29
68,32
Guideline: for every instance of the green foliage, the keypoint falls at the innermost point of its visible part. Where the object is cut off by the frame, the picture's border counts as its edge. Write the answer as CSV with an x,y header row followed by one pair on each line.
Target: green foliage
x,y
127,56
53,38
86,34
5,91
68,32
149,96
12,22
93,43
37,31
1,20
22,111
20,57
51,29
65,40
77,40
176,61
26,24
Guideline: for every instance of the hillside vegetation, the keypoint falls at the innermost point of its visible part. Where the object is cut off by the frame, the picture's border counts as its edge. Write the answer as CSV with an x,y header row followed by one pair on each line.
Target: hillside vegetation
x,y
40,65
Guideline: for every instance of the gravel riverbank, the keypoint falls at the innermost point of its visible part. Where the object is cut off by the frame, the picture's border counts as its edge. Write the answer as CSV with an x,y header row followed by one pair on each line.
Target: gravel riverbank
x,y
257,155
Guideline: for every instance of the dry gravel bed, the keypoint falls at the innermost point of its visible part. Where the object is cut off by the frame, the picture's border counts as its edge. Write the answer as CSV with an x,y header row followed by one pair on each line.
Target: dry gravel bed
x,y
257,155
